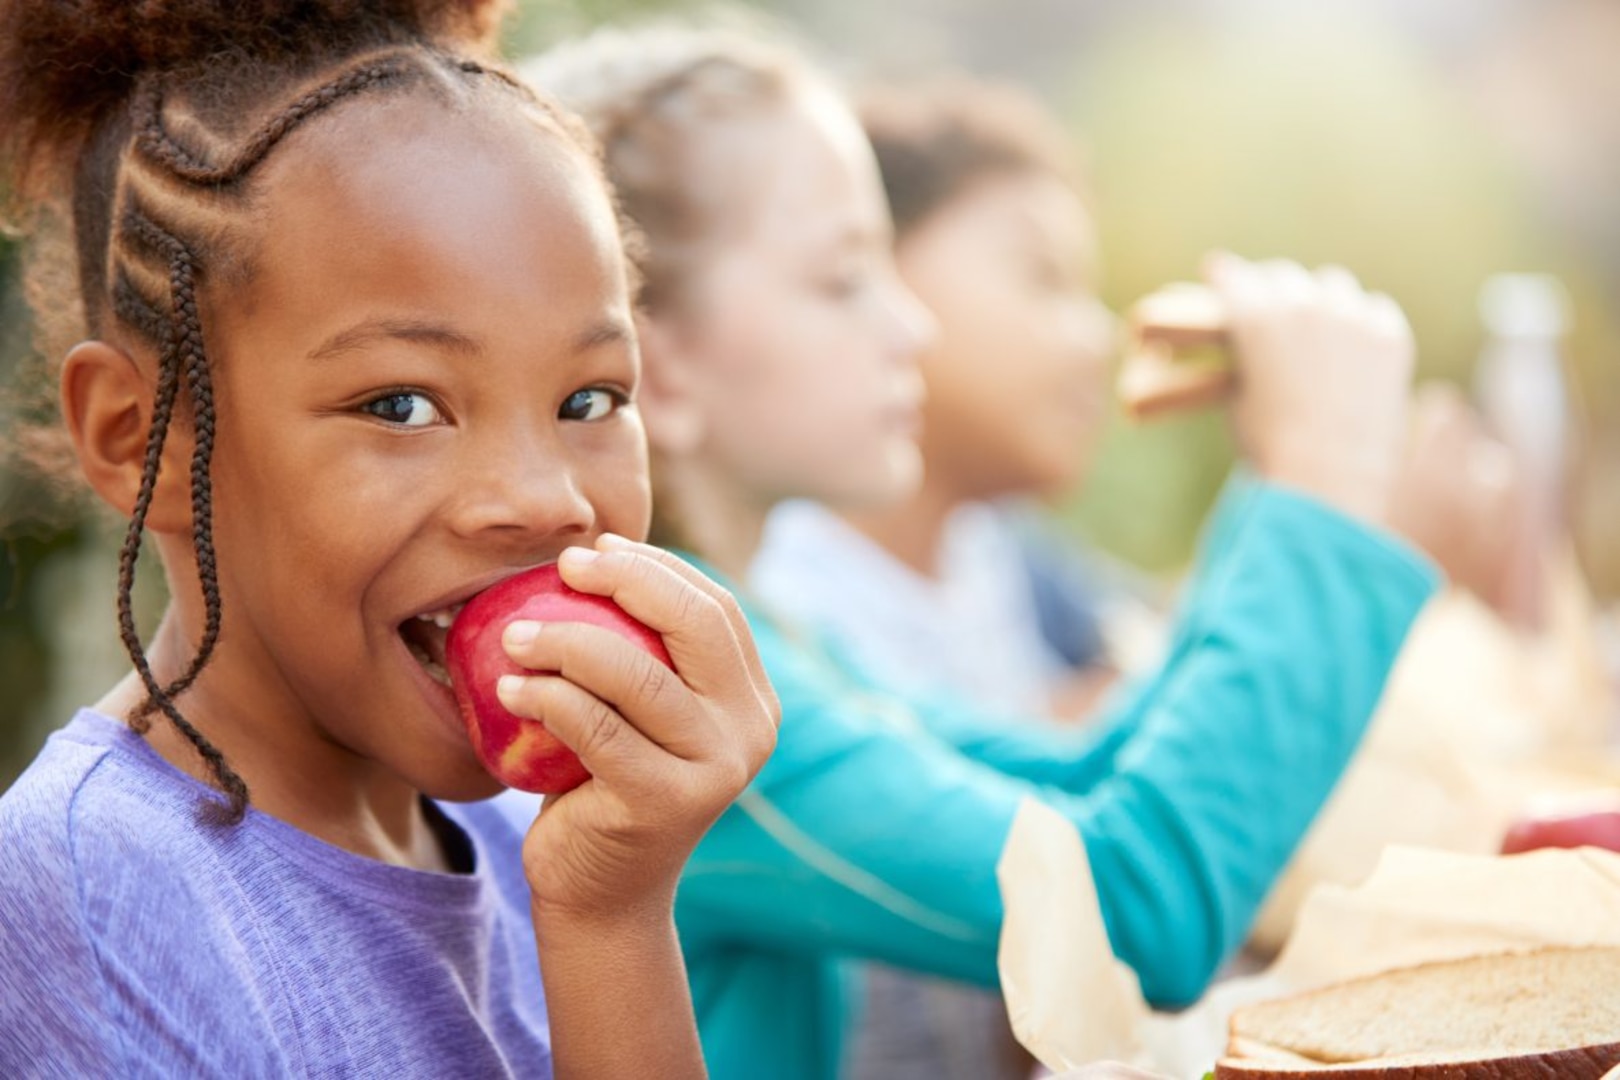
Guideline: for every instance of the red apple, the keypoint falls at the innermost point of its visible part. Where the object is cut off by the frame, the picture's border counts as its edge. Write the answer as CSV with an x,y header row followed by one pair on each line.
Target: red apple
x,y
1595,824
518,751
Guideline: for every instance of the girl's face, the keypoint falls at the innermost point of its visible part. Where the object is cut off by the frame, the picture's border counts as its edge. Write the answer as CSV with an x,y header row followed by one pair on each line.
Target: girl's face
x,y
1017,375
426,386
801,338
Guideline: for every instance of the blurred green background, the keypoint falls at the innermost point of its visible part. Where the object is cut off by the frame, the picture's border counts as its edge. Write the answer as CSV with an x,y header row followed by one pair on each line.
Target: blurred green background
x,y
1425,144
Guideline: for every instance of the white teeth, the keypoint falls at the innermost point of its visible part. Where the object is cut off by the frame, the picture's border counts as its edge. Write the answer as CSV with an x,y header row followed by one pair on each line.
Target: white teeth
x,y
441,618
438,673
433,667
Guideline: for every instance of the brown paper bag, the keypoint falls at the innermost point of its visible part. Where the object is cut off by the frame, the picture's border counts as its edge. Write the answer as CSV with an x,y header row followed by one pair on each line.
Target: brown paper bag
x,y
1477,721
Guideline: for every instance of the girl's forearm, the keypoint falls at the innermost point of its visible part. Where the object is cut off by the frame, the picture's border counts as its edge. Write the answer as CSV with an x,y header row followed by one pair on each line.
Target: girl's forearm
x,y
617,995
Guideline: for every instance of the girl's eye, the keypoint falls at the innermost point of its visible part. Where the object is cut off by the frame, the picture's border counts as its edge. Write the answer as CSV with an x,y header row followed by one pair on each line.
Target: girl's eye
x,y
1048,275
404,409
593,404
845,285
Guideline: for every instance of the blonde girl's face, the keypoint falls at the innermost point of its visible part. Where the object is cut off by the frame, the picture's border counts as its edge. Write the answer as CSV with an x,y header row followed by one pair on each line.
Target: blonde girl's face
x,y
427,385
803,340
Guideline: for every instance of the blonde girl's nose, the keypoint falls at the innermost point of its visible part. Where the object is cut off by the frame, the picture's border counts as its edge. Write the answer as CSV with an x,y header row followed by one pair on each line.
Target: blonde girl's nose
x,y
913,327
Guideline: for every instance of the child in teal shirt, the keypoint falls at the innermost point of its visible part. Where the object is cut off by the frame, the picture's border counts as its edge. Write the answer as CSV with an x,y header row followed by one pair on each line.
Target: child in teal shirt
x,y
781,357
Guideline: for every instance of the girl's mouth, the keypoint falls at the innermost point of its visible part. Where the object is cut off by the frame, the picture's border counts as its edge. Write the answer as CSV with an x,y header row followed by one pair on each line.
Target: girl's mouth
x,y
424,636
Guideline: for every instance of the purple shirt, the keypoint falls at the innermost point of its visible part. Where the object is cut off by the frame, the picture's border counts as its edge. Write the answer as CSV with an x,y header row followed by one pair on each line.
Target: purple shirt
x,y
136,942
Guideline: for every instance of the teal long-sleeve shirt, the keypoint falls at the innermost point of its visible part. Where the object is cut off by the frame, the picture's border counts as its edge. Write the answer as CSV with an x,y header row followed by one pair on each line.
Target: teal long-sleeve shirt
x,y
874,830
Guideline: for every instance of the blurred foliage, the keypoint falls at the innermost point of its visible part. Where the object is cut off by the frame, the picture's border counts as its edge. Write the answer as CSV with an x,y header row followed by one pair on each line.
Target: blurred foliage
x,y
1322,139
22,638
34,530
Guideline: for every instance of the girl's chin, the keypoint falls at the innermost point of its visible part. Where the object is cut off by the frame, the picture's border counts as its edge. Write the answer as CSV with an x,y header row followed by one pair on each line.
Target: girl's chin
x,y
466,786
903,474
878,490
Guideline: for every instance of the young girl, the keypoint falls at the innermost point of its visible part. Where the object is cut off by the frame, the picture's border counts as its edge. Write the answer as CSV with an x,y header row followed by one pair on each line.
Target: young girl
x,y
935,592
942,589
779,349
357,344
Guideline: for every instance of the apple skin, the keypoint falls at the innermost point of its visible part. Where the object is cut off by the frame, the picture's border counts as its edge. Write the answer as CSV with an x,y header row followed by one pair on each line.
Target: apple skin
x,y
518,751
1588,828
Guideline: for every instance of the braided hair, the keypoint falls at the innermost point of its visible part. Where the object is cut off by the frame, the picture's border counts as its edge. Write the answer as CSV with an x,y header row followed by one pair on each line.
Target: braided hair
x,y
139,126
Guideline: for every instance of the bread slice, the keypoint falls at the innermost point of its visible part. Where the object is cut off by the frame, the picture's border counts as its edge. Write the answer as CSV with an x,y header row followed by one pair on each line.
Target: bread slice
x,y
1157,378
1181,315
1543,1014
1152,382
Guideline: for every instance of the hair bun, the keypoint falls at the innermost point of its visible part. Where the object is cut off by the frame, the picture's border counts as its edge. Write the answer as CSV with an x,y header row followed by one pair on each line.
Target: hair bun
x,y
65,64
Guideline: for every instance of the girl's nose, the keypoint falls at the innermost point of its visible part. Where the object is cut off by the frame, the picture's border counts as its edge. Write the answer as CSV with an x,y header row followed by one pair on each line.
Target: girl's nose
x,y
913,327
525,492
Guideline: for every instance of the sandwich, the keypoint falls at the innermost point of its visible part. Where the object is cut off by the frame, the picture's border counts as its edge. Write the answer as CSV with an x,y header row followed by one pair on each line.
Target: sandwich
x,y
1546,1013
1175,359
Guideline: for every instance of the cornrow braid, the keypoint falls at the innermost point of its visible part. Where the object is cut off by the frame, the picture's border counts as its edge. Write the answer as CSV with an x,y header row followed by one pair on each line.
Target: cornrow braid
x,y
182,353
184,341
154,139
165,189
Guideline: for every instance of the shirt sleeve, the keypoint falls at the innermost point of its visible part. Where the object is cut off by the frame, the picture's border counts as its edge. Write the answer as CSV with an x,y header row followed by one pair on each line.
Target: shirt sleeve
x,y
107,968
872,834
52,1012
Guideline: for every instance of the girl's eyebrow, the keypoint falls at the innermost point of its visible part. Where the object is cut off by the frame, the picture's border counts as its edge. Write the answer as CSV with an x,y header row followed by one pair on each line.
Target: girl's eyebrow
x,y
374,330
611,331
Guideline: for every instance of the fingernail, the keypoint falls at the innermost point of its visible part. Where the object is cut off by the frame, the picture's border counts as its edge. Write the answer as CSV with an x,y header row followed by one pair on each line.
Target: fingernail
x,y
613,541
578,556
520,633
507,688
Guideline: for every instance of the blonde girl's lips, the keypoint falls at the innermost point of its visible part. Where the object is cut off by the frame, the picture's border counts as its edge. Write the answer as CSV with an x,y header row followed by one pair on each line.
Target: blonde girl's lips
x,y
905,417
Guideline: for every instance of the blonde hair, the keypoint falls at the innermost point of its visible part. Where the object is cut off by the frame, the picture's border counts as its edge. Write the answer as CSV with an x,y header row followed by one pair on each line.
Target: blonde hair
x,y
648,94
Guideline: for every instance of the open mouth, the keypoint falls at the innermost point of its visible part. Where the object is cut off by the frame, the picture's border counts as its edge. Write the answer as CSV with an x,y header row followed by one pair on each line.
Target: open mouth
x,y
424,636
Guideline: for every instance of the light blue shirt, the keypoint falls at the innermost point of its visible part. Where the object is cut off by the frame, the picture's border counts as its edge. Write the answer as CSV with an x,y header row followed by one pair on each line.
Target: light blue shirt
x,y
971,627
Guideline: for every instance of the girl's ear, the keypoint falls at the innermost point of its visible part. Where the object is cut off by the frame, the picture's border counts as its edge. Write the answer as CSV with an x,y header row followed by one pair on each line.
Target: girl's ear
x,y
107,406
668,399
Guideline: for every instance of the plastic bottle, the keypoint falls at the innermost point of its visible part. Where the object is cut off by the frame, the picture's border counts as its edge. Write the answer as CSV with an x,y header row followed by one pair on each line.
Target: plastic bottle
x,y
1523,393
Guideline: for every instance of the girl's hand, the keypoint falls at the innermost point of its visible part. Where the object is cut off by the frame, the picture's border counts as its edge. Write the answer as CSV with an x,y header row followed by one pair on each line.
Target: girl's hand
x,y
668,751
1324,375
